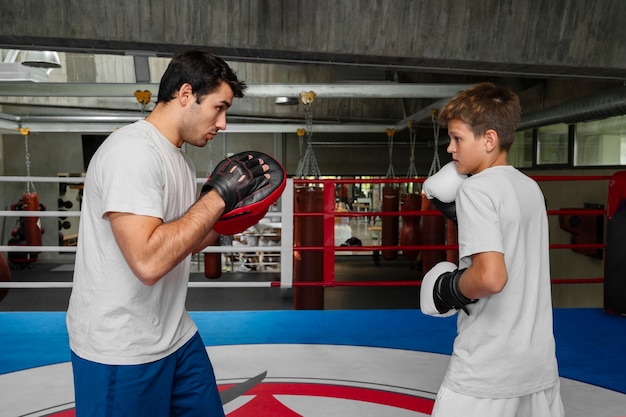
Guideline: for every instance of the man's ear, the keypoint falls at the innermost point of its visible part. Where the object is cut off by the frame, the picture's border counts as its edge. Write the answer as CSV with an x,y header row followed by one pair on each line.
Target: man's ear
x,y
492,140
185,94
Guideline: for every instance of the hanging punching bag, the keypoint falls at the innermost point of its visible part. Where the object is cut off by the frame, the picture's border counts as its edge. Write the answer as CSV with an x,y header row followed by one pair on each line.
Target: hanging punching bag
x,y
308,264
390,224
5,276
213,261
452,255
410,231
433,232
32,230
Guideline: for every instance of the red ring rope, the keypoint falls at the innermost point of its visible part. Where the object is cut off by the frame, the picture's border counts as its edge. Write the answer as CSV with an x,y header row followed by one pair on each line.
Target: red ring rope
x,y
329,249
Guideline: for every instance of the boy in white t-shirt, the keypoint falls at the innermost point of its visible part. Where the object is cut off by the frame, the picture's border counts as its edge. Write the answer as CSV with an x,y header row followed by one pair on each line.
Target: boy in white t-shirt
x,y
503,362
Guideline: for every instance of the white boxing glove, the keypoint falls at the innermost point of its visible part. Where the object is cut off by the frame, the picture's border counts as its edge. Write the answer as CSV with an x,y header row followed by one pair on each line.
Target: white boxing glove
x,y
443,184
427,301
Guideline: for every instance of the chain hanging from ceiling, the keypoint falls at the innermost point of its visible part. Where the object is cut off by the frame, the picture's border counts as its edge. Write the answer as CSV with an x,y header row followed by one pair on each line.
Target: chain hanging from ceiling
x,y
300,133
143,98
436,165
390,134
211,166
30,186
412,172
307,166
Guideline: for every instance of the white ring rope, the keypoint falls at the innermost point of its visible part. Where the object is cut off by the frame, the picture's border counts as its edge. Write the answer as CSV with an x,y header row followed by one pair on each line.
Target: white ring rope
x,y
284,250
208,249
192,284
69,180
45,213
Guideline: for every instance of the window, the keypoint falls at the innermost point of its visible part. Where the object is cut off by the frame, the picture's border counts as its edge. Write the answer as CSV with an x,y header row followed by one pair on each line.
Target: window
x,y
601,142
521,153
552,145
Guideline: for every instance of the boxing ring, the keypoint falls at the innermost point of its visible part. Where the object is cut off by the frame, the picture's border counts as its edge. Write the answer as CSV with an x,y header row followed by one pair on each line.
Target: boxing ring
x,y
346,362
327,247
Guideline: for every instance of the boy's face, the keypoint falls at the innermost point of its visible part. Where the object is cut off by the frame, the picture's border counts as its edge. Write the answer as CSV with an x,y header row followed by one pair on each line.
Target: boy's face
x,y
468,151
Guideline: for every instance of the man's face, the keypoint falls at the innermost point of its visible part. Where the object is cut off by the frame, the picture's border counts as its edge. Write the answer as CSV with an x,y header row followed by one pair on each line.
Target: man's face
x,y
468,151
203,120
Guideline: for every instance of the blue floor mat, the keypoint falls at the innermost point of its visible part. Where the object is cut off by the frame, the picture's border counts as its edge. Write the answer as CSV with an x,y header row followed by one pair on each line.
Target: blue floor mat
x,y
589,342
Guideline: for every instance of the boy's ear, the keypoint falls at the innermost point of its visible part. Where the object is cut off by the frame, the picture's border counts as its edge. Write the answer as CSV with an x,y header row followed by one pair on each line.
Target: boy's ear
x,y
492,140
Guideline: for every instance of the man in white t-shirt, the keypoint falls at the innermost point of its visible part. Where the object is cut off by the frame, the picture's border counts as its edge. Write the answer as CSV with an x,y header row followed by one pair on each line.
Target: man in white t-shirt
x,y
135,349
503,362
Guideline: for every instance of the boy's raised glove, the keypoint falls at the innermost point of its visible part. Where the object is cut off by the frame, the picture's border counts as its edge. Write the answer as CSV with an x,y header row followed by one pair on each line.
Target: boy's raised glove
x,y
440,188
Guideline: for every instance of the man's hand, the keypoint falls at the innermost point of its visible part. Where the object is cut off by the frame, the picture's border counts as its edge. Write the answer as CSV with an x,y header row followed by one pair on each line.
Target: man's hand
x,y
249,183
237,177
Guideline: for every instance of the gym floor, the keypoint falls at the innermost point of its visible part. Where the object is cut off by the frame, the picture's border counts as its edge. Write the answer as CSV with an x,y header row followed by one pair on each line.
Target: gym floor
x,y
369,352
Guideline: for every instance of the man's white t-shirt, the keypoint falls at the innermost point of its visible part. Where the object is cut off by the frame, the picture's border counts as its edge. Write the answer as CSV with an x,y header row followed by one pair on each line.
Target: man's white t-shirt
x,y
505,347
113,318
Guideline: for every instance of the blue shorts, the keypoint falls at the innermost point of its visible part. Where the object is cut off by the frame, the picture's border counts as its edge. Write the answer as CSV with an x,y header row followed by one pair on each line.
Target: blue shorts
x,y
181,384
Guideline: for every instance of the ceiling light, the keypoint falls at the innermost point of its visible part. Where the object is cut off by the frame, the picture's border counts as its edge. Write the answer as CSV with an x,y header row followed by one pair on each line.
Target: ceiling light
x,y
286,101
41,59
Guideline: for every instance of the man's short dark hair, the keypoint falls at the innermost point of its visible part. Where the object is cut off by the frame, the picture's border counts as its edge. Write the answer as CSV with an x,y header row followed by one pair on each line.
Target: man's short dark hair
x,y
203,70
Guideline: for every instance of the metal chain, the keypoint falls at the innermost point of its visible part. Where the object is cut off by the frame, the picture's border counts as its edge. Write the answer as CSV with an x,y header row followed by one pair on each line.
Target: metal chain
x,y
436,165
412,172
29,184
300,133
307,167
390,171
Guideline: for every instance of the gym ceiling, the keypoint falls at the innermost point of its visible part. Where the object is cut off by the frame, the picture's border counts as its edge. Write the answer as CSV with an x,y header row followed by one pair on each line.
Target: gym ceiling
x,y
373,64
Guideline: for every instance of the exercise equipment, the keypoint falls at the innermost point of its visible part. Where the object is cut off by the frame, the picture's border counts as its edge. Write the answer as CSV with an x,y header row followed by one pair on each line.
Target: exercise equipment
x,y
5,276
432,227
410,231
427,301
213,261
308,266
27,231
615,257
411,201
252,208
391,202
584,229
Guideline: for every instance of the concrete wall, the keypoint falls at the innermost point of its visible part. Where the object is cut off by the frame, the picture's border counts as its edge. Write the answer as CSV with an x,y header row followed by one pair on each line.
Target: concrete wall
x,y
476,35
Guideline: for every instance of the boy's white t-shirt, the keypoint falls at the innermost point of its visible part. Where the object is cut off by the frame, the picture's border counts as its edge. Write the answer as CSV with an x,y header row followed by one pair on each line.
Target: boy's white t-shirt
x,y
114,318
505,347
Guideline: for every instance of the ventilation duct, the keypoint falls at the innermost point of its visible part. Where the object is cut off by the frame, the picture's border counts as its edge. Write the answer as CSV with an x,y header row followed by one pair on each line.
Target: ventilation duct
x,y
41,59
15,71
597,106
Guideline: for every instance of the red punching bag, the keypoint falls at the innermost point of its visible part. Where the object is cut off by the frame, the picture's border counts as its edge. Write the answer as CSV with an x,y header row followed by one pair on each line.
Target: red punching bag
x,y
452,255
410,231
390,224
433,232
32,230
308,265
213,261
5,276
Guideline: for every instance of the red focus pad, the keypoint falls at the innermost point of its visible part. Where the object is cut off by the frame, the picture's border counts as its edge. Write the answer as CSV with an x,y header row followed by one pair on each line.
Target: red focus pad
x,y
250,210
